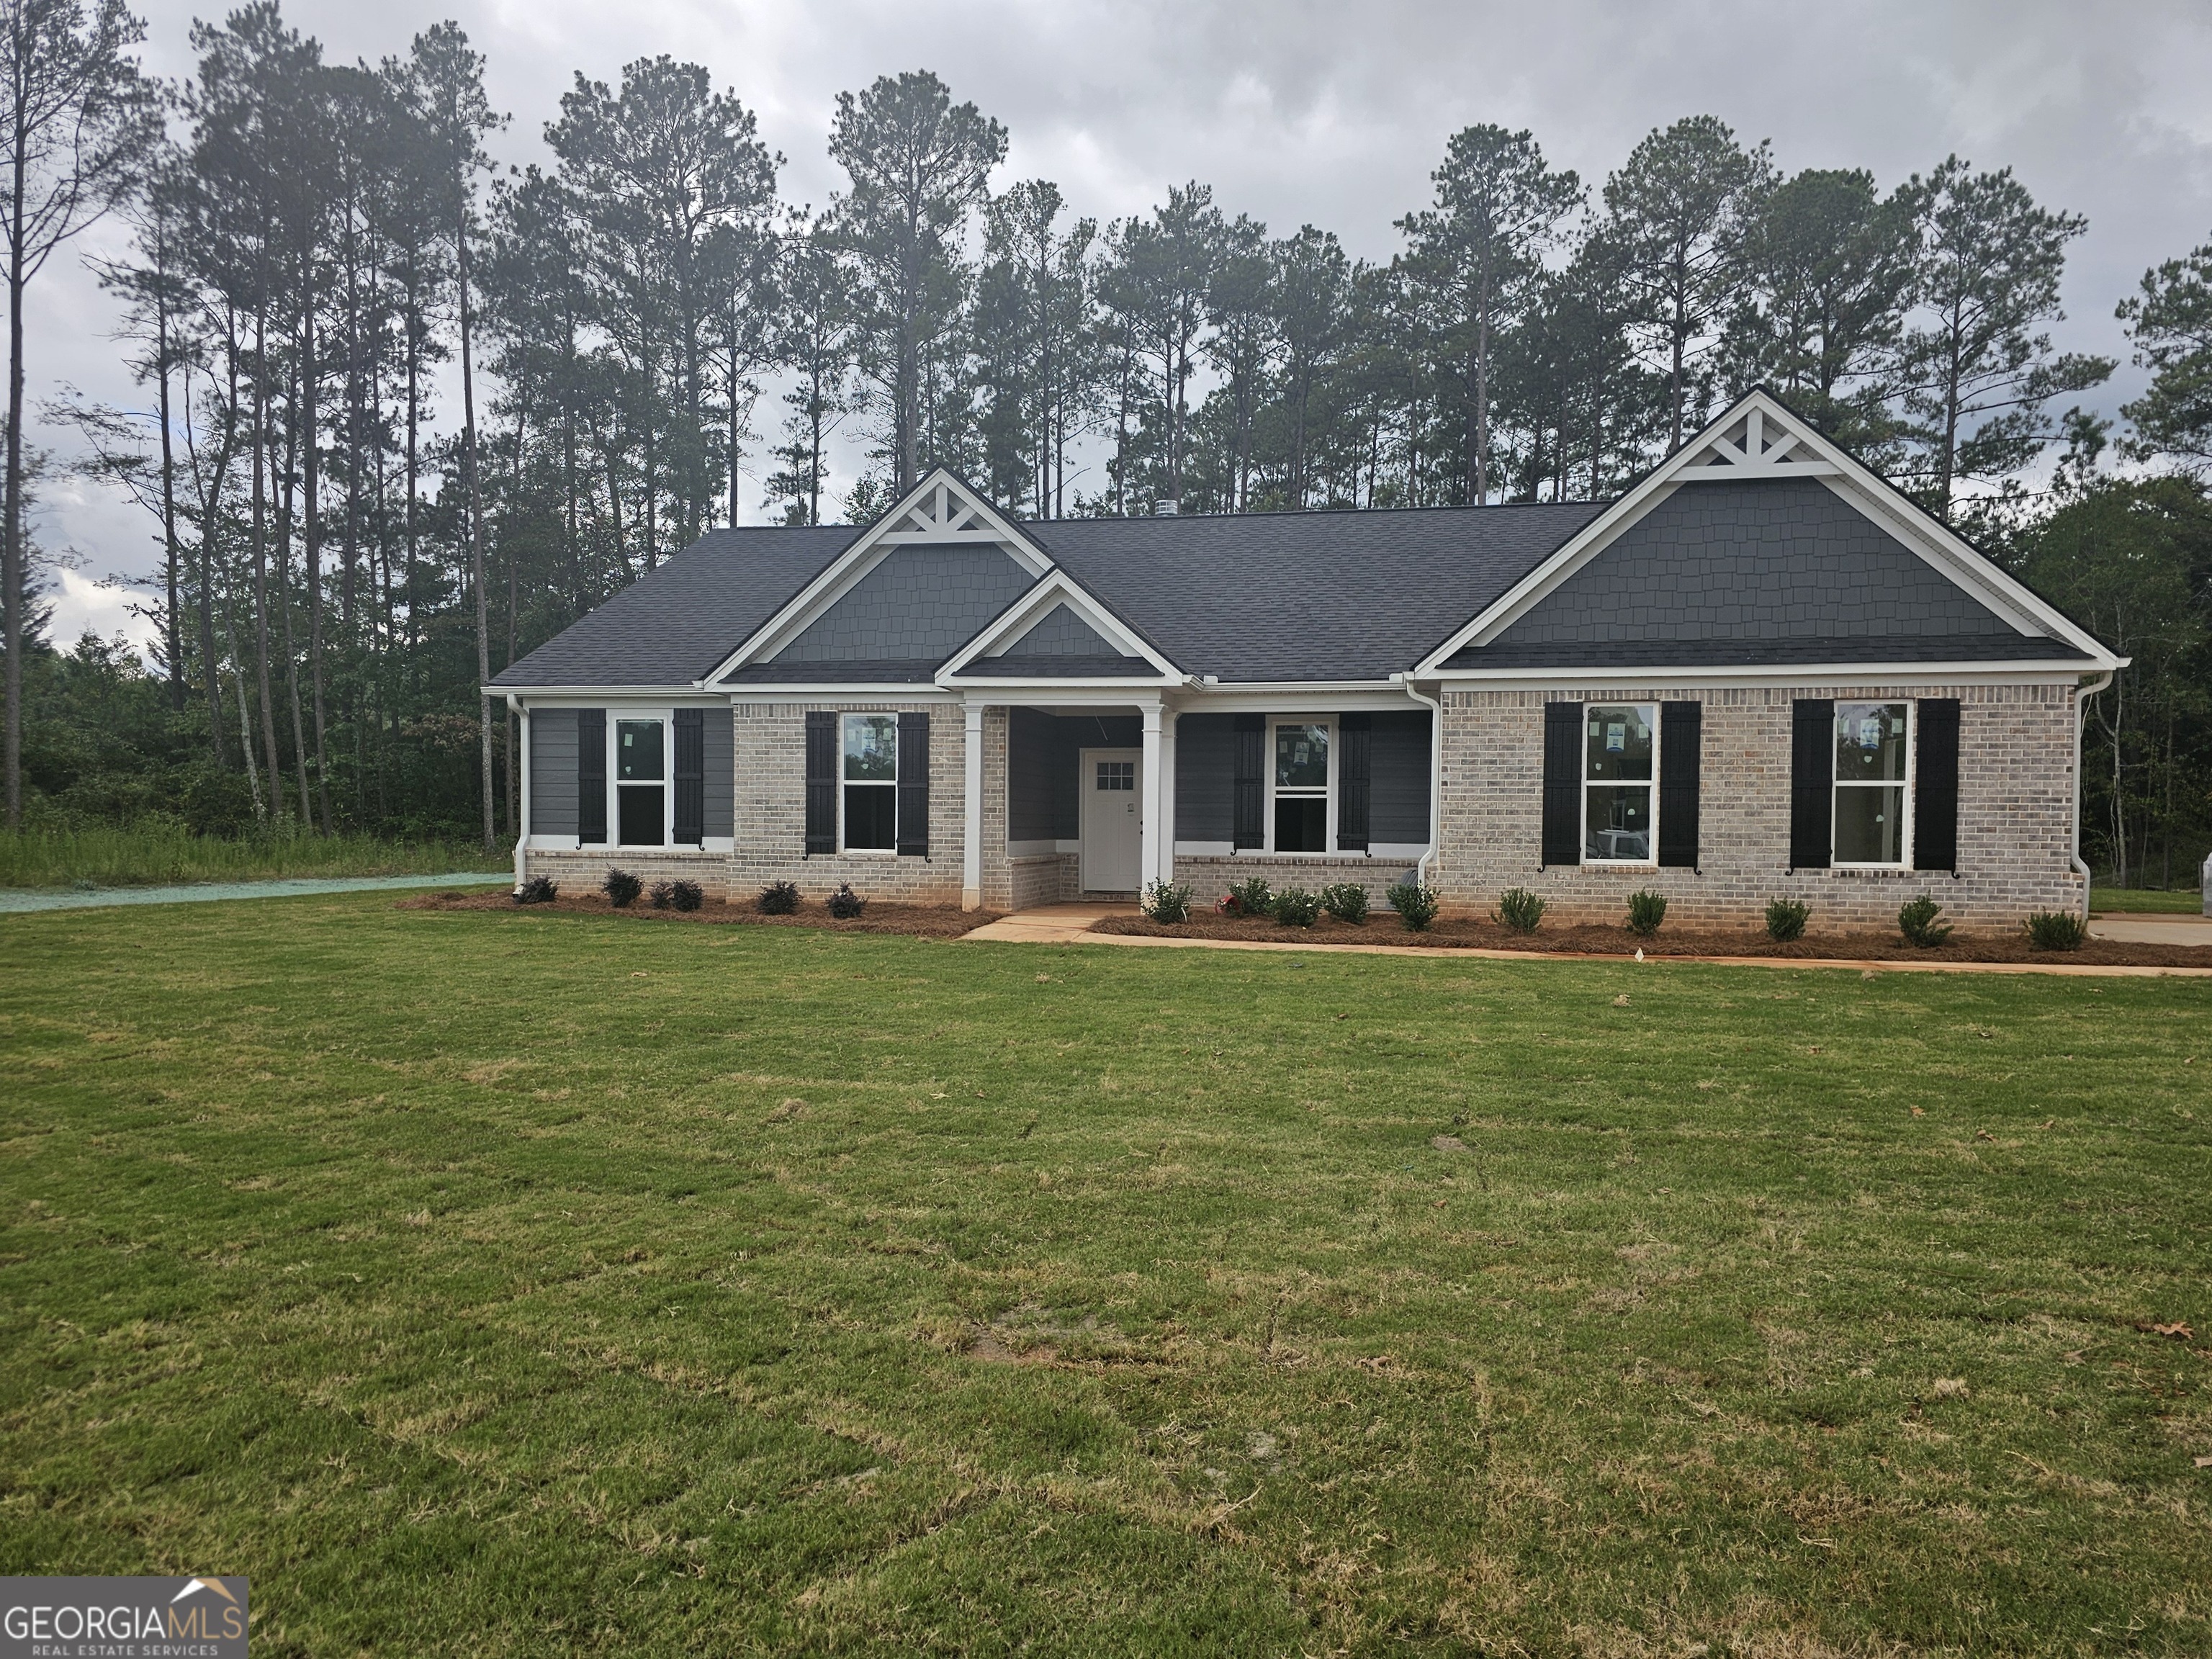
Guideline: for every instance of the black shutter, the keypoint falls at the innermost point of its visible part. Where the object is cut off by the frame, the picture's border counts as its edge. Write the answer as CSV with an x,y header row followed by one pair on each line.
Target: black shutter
x,y
591,775
1812,783
1251,756
1355,742
1563,783
690,777
1682,734
913,786
821,781
1935,786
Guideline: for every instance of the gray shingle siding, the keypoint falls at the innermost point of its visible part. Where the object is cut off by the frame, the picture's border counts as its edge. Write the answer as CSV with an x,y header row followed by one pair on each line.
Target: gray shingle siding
x,y
921,602
720,780
1062,634
553,772
1782,559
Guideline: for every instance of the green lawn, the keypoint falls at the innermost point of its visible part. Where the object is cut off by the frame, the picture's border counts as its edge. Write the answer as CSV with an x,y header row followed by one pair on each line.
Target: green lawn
x,y
151,856
489,1284
2150,901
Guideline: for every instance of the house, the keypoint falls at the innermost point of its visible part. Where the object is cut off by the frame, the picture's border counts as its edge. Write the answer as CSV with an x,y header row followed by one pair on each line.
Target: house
x,y
1762,673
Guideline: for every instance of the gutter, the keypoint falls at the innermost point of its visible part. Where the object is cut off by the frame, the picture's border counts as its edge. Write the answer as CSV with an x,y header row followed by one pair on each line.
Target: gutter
x,y
2080,718
1435,708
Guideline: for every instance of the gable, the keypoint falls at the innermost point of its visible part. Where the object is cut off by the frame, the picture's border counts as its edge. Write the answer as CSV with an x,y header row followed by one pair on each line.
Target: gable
x,y
1775,559
1062,634
920,603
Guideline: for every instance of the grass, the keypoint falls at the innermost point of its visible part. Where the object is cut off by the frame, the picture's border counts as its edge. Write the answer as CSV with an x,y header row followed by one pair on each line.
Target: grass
x,y
151,857
2147,901
494,1284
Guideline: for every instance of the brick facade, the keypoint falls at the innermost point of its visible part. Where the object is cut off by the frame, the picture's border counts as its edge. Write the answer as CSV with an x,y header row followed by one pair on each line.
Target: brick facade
x,y
1209,876
582,870
2015,812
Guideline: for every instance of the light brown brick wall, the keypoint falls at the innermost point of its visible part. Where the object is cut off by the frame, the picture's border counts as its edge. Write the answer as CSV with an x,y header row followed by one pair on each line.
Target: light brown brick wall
x,y
582,870
2015,812
1209,876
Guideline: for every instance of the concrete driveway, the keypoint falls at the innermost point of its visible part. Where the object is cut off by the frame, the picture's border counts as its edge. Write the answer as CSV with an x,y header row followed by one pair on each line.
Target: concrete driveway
x,y
2153,930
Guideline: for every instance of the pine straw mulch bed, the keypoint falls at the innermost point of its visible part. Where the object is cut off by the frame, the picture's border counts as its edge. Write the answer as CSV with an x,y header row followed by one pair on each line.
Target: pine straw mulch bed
x,y
1595,939
916,921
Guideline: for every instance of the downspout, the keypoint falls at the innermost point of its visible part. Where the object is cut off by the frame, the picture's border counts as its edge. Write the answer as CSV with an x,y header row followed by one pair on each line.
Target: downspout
x,y
2082,696
1436,773
522,788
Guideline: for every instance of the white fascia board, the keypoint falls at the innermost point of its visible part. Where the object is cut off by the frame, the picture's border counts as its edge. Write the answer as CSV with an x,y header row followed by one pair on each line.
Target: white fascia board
x,y
2038,672
1076,694
1057,588
940,500
1938,546
1296,697
866,691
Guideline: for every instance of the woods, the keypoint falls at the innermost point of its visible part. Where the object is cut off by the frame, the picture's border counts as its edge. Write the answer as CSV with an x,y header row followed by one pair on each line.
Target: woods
x,y
405,414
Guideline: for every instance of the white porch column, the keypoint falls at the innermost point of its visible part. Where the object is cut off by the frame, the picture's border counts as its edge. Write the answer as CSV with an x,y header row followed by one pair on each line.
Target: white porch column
x,y
971,854
1167,795
1154,819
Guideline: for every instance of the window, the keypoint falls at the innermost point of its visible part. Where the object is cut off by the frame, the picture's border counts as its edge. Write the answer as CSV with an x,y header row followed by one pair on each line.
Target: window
x,y
641,783
1873,758
1118,774
1302,787
1620,747
871,783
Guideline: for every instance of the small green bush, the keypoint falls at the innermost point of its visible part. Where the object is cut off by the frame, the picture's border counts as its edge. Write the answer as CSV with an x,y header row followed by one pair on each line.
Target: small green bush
x,y
1646,910
1167,902
1294,907
845,903
677,896
1918,922
1248,897
1786,920
2057,930
538,889
778,898
1346,901
1416,905
622,889
1519,910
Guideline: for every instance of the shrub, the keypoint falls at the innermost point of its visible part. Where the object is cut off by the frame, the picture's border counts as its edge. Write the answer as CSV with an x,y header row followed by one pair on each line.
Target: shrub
x,y
1916,921
677,896
778,898
1346,901
1416,904
1519,910
1167,902
621,888
1248,897
538,889
1786,920
845,903
2057,930
1294,907
1646,910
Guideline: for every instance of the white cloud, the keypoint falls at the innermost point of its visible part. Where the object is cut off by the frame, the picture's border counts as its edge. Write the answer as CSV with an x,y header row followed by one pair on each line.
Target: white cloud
x,y
83,605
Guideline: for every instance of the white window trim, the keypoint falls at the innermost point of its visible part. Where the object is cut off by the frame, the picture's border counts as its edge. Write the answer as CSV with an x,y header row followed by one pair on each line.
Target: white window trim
x,y
1582,760
1267,807
1908,783
843,851
666,717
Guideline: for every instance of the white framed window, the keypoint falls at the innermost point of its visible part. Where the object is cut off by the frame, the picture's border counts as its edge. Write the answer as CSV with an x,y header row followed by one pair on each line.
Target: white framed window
x,y
1301,785
1620,772
1873,823
641,781
867,784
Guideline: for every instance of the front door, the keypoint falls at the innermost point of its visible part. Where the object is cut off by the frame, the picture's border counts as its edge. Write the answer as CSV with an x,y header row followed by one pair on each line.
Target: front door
x,y
1113,818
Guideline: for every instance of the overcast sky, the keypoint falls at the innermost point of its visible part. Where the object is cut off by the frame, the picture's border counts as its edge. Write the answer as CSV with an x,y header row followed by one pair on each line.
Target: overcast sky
x,y
1328,114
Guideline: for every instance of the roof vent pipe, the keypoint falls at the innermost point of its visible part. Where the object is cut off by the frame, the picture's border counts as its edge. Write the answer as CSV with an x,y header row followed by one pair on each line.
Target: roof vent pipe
x,y
1167,509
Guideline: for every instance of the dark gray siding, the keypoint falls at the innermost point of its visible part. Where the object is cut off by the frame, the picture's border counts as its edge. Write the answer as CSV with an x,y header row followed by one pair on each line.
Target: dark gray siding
x,y
919,603
1033,755
553,772
1772,560
1398,808
721,760
1205,780
1062,634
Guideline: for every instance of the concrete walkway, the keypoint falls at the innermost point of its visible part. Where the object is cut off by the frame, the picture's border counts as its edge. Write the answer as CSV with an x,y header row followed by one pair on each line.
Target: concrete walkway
x,y
1052,924
205,892
2152,929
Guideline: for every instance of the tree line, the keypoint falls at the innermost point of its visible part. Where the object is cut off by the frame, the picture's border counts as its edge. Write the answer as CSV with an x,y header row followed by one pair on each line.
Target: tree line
x,y
646,340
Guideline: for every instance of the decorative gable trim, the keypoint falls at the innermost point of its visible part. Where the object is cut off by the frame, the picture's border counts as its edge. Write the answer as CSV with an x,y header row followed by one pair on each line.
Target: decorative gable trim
x,y
1759,438
1058,588
941,511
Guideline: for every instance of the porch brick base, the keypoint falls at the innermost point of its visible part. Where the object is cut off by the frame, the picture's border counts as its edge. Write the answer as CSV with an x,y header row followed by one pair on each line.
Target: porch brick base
x,y
1209,876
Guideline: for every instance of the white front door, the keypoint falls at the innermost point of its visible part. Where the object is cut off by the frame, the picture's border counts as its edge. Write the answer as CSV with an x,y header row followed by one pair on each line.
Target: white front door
x,y
1112,817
